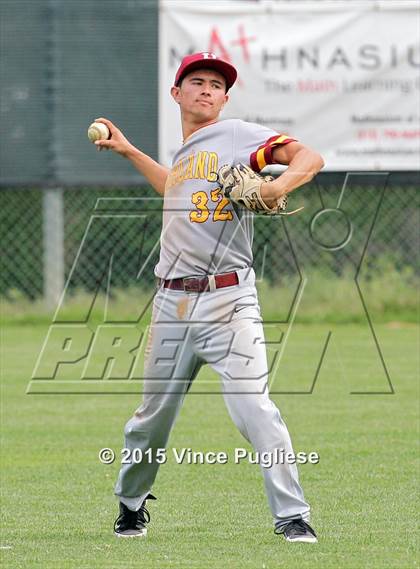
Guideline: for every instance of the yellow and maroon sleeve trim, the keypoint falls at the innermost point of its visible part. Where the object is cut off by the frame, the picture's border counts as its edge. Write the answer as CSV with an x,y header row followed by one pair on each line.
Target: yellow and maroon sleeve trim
x,y
264,154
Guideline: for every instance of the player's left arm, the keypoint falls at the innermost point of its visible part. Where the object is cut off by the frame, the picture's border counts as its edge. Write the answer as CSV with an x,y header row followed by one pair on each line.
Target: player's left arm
x,y
303,164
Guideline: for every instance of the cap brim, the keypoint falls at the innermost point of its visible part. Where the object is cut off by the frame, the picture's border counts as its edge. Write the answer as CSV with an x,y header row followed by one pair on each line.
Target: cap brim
x,y
223,67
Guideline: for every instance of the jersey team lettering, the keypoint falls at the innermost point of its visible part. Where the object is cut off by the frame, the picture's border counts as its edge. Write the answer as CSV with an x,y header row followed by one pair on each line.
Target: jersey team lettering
x,y
200,166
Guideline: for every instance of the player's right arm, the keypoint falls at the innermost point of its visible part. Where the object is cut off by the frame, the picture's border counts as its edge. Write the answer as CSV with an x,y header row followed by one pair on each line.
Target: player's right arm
x,y
154,172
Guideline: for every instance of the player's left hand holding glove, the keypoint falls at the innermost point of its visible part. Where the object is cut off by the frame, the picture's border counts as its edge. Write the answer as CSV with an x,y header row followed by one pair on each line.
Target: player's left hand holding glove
x,y
243,186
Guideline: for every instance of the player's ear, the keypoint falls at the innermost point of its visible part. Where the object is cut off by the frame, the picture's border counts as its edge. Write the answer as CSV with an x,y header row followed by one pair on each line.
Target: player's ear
x,y
226,100
175,93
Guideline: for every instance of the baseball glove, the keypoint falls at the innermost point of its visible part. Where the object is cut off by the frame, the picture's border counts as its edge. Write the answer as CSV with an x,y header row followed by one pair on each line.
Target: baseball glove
x,y
243,186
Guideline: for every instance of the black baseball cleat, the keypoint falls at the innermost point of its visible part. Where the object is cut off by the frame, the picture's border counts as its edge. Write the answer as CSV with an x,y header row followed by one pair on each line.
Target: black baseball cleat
x,y
298,531
132,524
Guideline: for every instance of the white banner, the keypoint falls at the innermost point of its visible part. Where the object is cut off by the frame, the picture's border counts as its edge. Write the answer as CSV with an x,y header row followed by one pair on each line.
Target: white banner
x,y
340,76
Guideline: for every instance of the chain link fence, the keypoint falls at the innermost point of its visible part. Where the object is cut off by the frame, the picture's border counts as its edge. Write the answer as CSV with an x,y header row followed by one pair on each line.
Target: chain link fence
x,y
62,231
357,225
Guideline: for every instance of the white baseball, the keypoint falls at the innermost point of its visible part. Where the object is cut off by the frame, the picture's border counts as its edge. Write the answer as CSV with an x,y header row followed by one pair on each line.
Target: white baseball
x,y
98,131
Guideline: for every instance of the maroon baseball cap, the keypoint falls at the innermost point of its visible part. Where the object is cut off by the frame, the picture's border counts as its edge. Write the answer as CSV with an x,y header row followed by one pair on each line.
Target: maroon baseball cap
x,y
206,60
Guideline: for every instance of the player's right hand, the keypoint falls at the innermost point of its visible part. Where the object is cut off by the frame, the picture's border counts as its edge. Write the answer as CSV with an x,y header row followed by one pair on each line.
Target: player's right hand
x,y
116,142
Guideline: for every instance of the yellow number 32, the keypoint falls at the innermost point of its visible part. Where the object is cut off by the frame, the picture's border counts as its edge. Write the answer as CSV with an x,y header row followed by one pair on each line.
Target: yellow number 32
x,y
202,213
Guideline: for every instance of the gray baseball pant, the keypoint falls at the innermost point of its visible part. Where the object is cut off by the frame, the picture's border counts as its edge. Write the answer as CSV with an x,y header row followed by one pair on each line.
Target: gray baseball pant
x,y
224,329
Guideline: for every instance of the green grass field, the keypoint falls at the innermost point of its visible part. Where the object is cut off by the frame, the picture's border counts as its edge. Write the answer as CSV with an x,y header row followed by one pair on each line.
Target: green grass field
x,y
58,504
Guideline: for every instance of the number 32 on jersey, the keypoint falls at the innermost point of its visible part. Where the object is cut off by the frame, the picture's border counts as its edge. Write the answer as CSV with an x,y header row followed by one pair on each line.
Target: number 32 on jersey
x,y
202,213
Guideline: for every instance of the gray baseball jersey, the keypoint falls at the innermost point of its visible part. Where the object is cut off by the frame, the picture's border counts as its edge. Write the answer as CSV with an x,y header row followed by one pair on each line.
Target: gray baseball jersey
x,y
203,233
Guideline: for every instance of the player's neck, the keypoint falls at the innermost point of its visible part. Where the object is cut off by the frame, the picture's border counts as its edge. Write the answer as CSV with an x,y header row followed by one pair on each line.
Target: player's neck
x,y
189,128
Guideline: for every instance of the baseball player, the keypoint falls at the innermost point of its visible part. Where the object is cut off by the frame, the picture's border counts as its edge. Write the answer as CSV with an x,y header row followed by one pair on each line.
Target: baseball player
x,y
206,308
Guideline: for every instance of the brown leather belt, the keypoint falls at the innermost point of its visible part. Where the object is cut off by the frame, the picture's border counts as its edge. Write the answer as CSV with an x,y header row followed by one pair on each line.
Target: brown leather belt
x,y
202,284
